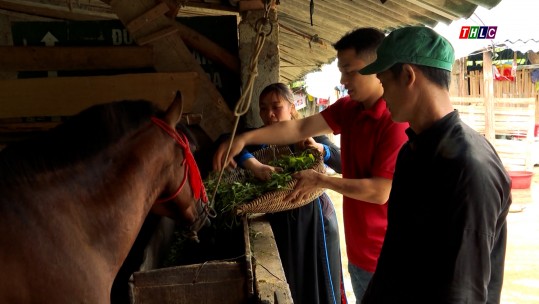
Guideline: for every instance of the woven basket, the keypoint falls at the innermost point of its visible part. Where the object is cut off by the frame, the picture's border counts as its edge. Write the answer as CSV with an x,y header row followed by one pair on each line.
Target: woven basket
x,y
273,201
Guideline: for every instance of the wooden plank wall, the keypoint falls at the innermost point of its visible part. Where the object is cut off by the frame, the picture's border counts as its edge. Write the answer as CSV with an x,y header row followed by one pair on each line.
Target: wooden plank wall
x,y
514,127
29,106
174,57
66,96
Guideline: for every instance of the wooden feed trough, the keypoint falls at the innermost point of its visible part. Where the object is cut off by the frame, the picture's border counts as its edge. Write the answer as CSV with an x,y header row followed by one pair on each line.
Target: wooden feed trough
x,y
255,276
226,280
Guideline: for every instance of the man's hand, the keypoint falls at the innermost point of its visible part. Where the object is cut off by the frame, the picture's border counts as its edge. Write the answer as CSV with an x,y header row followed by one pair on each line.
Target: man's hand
x,y
308,181
219,161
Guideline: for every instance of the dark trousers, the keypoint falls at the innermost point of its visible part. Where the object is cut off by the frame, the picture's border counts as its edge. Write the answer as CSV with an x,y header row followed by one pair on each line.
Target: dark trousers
x,y
308,242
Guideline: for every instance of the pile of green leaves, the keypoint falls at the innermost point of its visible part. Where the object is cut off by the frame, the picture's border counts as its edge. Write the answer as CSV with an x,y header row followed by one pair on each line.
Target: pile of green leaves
x,y
231,194
293,163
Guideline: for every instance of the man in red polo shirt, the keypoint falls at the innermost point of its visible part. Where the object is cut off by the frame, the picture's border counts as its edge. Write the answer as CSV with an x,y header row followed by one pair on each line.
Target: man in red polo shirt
x,y
370,142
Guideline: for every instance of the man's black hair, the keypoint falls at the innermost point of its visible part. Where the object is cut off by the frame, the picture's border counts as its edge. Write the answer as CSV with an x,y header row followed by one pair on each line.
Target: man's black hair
x,y
365,39
439,76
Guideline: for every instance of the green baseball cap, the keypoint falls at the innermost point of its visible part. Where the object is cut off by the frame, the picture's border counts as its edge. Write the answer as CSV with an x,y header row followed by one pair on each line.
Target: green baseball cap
x,y
416,45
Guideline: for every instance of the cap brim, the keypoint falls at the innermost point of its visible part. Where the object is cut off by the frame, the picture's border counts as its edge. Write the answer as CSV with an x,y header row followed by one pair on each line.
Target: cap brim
x,y
379,65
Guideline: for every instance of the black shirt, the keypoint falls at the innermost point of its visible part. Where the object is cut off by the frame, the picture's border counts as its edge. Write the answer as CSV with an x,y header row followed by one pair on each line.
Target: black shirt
x,y
446,235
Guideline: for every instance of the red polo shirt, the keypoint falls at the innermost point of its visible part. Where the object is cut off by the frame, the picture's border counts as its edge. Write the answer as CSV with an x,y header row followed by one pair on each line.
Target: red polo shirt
x,y
370,143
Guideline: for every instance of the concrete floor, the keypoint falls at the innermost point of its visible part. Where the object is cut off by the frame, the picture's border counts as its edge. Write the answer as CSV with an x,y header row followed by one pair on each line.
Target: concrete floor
x,y
521,282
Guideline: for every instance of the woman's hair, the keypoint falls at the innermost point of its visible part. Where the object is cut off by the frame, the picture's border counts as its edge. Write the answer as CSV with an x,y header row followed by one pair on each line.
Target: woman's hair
x,y
284,92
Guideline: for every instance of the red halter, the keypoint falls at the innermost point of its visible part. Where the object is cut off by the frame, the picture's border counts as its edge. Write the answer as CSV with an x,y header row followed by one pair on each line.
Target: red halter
x,y
191,168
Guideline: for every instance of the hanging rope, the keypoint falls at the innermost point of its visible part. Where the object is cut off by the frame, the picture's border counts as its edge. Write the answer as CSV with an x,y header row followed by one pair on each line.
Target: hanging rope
x,y
244,102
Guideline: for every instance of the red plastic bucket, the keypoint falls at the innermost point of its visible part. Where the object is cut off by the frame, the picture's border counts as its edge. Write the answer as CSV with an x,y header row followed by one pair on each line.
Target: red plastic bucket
x,y
520,179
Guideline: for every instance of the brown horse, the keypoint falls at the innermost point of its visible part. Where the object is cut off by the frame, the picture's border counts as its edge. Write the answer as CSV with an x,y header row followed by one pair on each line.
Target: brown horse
x,y
73,200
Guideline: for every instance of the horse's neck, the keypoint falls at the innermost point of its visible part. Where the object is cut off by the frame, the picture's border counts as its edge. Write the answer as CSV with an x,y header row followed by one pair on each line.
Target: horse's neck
x,y
136,180
116,191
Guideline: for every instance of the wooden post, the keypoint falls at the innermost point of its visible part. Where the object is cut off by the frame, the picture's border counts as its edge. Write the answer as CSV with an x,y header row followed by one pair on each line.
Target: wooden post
x,y
458,78
488,95
518,82
268,61
463,72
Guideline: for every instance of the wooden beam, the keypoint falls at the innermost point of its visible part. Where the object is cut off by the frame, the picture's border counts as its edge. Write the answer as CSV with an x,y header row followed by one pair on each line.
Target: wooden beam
x,y
191,38
220,9
251,5
28,58
223,8
52,11
172,55
208,48
66,96
23,126
158,35
174,8
147,17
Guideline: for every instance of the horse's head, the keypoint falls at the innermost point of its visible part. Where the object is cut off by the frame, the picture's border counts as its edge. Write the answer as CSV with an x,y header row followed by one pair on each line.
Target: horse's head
x,y
184,197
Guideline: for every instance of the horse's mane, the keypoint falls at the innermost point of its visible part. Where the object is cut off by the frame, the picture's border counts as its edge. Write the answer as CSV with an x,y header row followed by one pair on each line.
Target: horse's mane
x,y
78,138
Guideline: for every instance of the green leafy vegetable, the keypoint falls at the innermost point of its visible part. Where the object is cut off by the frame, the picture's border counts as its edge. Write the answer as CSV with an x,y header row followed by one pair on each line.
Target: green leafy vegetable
x,y
291,163
231,194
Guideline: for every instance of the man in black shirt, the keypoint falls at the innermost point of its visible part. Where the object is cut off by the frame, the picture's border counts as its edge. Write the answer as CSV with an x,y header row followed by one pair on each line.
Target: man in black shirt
x,y
446,235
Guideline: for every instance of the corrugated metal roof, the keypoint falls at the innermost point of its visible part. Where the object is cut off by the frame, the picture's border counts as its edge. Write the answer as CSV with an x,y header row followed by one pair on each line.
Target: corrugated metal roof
x,y
523,45
305,47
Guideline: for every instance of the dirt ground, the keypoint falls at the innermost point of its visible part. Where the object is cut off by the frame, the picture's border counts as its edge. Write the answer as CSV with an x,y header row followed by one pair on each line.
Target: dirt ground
x,y
521,281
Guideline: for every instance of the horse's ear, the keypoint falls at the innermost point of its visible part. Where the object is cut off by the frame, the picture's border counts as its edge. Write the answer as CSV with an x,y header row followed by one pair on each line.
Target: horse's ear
x,y
174,111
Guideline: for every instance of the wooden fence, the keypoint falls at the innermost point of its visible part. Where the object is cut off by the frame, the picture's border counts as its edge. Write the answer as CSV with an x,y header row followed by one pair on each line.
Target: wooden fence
x,y
516,112
471,85
521,87
514,124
